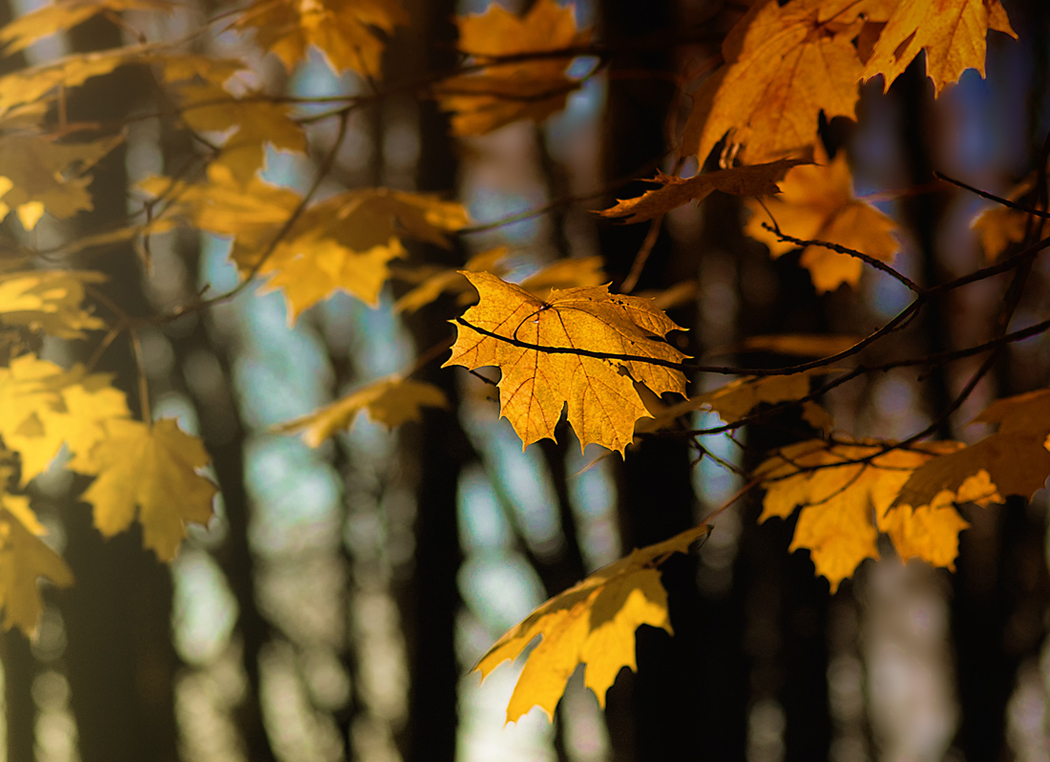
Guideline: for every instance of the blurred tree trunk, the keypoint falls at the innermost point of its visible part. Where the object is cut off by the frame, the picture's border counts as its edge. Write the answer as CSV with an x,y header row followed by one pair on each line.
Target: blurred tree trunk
x,y
431,603
655,489
120,657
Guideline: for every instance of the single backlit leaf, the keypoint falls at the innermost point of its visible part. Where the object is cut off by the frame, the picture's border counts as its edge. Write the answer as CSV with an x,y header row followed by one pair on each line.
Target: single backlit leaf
x,y
1001,226
592,623
345,31
391,401
755,180
537,384
504,92
817,203
150,473
952,32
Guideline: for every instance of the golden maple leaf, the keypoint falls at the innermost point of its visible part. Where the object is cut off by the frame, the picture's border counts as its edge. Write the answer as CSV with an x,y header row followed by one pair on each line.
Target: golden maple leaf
x,y
391,401
817,203
536,384
48,301
505,92
37,173
845,504
149,472
248,124
784,65
343,30
753,180
1013,461
591,623
62,15
24,558
43,406
952,32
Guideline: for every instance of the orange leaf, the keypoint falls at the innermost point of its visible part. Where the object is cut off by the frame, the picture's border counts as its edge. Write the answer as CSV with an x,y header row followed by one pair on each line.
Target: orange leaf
x,y
817,203
952,32
754,180
784,65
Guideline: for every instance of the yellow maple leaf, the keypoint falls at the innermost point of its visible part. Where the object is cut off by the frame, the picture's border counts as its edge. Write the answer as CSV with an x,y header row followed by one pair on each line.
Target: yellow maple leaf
x,y
505,92
149,472
24,558
43,406
39,174
249,123
952,32
1013,460
817,203
49,301
391,401
343,30
346,242
784,65
591,623
535,385
61,15
844,504
754,180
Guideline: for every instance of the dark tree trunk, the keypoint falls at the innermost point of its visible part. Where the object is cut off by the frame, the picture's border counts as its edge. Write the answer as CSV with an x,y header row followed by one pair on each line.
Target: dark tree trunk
x,y
120,657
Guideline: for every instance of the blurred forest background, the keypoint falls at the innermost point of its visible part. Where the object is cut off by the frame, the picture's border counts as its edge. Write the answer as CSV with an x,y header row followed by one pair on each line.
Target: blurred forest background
x,y
334,608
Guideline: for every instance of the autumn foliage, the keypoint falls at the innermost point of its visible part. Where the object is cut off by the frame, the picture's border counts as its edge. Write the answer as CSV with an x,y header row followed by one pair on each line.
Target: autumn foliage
x,y
567,342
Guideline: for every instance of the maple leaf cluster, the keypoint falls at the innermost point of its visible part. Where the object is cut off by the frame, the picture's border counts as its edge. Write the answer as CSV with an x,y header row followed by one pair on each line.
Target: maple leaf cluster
x,y
563,341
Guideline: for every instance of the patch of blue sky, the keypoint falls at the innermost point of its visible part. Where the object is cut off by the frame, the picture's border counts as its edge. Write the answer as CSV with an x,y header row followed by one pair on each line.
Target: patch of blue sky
x,y
500,588
593,497
296,497
713,483
217,272
482,523
487,204
174,405
524,477
314,78
204,610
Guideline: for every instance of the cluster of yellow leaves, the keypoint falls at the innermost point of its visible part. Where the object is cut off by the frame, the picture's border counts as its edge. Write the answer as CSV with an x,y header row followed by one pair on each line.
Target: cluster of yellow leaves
x,y
548,355
342,243
847,493
591,623
505,91
817,203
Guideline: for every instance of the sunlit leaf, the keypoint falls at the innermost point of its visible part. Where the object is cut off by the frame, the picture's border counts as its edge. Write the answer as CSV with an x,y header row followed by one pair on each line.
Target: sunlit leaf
x,y
61,15
50,301
603,404
592,623
24,558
